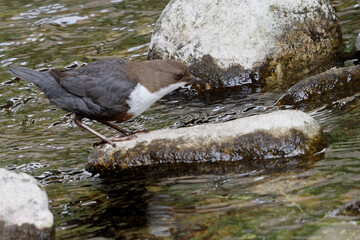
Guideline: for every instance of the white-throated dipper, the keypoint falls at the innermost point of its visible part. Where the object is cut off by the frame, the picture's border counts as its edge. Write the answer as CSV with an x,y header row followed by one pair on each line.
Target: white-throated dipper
x,y
111,89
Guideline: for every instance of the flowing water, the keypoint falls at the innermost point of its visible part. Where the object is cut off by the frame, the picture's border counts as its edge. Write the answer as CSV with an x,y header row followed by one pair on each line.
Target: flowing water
x,y
43,141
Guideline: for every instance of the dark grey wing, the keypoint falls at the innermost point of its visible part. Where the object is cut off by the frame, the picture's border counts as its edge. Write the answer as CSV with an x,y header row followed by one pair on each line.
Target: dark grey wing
x,y
110,91
72,82
105,82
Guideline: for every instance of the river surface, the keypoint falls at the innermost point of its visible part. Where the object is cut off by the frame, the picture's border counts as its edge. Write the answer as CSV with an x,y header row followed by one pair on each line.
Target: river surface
x,y
43,141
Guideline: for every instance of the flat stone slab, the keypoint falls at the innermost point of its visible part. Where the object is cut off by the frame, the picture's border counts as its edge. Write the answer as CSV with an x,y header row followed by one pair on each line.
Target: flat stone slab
x,y
248,141
24,209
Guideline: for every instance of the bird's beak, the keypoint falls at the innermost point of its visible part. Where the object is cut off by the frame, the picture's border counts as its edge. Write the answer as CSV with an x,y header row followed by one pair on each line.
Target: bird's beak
x,y
204,84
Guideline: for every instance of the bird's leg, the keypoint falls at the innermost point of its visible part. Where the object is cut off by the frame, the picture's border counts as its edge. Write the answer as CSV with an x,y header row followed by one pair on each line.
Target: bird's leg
x,y
127,133
139,131
78,119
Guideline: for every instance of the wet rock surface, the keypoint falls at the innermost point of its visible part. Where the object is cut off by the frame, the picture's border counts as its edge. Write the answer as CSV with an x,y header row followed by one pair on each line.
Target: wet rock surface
x,y
25,232
251,142
24,211
324,88
274,43
351,209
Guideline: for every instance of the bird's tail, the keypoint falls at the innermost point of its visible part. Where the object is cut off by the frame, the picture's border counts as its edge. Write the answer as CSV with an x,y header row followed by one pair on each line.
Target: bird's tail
x,y
28,74
43,80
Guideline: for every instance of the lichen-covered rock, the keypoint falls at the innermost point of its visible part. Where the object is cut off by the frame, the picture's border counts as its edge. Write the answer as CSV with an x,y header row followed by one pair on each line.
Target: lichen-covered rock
x,y
323,88
233,42
247,141
24,209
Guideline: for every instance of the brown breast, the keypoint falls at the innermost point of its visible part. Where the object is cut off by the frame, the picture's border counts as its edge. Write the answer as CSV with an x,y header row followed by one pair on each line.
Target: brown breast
x,y
122,117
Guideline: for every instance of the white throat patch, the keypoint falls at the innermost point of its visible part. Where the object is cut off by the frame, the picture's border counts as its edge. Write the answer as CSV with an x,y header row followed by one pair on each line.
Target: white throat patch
x,y
141,99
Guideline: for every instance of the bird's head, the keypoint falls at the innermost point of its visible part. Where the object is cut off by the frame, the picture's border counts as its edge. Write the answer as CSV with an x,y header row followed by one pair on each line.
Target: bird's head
x,y
176,72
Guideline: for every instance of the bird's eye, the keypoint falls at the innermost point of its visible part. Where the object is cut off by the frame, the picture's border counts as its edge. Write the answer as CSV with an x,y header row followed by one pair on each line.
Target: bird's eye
x,y
178,76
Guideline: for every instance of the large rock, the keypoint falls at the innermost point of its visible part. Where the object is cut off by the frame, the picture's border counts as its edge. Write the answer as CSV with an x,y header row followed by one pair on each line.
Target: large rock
x,y
251,141
233,42
24,209
323,88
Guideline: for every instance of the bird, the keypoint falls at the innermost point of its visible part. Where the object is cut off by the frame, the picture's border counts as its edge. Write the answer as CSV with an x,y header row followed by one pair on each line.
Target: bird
x,y
110,89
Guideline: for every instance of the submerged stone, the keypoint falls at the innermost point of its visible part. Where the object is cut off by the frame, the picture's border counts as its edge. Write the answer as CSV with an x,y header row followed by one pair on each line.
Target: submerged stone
x,y
351,209
323,88
230,42
252,141
24,209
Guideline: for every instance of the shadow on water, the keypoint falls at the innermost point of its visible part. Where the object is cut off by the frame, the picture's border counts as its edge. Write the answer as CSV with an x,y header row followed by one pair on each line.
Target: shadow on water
x,y
117,208
154,206
207,202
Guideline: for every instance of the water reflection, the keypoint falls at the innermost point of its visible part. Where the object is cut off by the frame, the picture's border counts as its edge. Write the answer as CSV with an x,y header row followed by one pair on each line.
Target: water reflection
x,y
161,207
122,209
114,209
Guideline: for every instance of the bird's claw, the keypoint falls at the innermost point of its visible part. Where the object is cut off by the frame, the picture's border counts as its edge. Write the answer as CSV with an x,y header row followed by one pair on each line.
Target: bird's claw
x,y
111,141
122,139
138,131
103,141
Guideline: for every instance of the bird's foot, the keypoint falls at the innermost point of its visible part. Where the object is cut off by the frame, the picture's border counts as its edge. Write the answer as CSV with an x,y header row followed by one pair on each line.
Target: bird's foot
x,y
129,133
138,131
123,139
111,141
121,135
103,141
